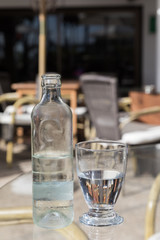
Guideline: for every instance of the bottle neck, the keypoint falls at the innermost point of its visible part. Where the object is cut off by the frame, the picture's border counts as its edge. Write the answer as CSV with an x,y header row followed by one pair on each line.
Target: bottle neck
x,y
51,90
51,94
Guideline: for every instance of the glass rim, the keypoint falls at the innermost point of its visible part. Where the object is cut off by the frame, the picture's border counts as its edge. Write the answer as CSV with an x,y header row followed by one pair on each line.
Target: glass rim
x,y
51,75
111,142
51,79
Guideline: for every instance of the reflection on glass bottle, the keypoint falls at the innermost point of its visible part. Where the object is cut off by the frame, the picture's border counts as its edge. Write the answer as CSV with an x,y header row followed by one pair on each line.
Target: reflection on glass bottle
x,y
52,161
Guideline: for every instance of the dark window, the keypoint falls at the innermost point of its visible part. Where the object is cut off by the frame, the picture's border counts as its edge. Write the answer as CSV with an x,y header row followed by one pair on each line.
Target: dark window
x,y
102,40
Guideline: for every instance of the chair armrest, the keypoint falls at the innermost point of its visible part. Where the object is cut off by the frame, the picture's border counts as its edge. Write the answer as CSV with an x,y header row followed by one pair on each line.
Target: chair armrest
x,y
151,208
20,102
135,115
9,97
8,214
24,100
124,103
19,215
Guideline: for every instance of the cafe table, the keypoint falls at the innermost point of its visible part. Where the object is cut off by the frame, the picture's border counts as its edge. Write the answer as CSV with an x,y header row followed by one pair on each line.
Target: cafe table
x,y
69,90
16,216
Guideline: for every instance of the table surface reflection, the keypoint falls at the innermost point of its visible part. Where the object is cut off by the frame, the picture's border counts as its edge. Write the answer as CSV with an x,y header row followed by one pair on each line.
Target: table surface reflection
x,y
18,193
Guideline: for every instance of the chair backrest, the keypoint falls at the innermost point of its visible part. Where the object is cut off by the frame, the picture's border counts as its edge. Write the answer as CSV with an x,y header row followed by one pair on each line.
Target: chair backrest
x,y
101,99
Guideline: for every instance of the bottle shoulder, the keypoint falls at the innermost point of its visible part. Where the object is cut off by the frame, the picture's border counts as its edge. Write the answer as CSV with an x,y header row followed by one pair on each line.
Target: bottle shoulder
x,y
51,108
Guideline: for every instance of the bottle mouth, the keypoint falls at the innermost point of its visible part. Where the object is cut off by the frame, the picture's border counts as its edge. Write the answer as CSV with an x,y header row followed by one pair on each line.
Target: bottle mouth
x,y
51,79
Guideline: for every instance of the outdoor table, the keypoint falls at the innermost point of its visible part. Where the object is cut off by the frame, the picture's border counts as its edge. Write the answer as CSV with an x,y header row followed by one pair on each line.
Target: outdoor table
x,y
16,216
17,194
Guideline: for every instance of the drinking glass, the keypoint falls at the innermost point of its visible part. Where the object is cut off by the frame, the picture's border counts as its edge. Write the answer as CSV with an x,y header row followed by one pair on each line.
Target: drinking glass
x,y
101,168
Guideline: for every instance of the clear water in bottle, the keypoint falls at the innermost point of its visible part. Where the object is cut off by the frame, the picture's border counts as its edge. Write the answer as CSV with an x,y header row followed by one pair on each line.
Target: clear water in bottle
x,y
52,192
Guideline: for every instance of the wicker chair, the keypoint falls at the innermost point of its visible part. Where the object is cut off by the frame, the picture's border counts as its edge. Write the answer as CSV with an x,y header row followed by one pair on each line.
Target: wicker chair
x,y
100,93
151,211
11,118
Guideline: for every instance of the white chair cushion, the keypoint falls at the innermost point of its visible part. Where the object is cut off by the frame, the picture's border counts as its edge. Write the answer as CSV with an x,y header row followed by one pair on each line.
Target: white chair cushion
x,y
80,111
23,109
20,119
27,108
155,237
9,109
142,137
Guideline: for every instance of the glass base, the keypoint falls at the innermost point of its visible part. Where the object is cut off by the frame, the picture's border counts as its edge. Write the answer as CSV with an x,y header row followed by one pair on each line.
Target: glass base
x,y
101,219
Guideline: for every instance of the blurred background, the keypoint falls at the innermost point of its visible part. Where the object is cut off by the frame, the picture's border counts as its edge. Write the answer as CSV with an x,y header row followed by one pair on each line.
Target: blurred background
x,y
119,39
113,37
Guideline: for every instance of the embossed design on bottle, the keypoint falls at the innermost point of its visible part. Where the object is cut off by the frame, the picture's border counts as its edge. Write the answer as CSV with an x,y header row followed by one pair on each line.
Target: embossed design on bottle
x,y
49,130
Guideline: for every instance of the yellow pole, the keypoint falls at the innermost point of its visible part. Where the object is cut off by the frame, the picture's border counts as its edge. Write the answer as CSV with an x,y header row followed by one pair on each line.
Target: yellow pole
x,y
42,42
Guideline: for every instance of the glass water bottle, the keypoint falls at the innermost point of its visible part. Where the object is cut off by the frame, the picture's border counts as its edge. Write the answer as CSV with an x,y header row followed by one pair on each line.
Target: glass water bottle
x,y
52,160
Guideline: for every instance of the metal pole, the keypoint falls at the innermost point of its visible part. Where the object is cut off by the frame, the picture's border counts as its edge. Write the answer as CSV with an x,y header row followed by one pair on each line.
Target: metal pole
x,y
42,42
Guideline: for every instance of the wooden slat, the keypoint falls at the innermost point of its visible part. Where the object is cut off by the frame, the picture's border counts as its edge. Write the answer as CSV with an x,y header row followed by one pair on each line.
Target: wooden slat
x,y
142,100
